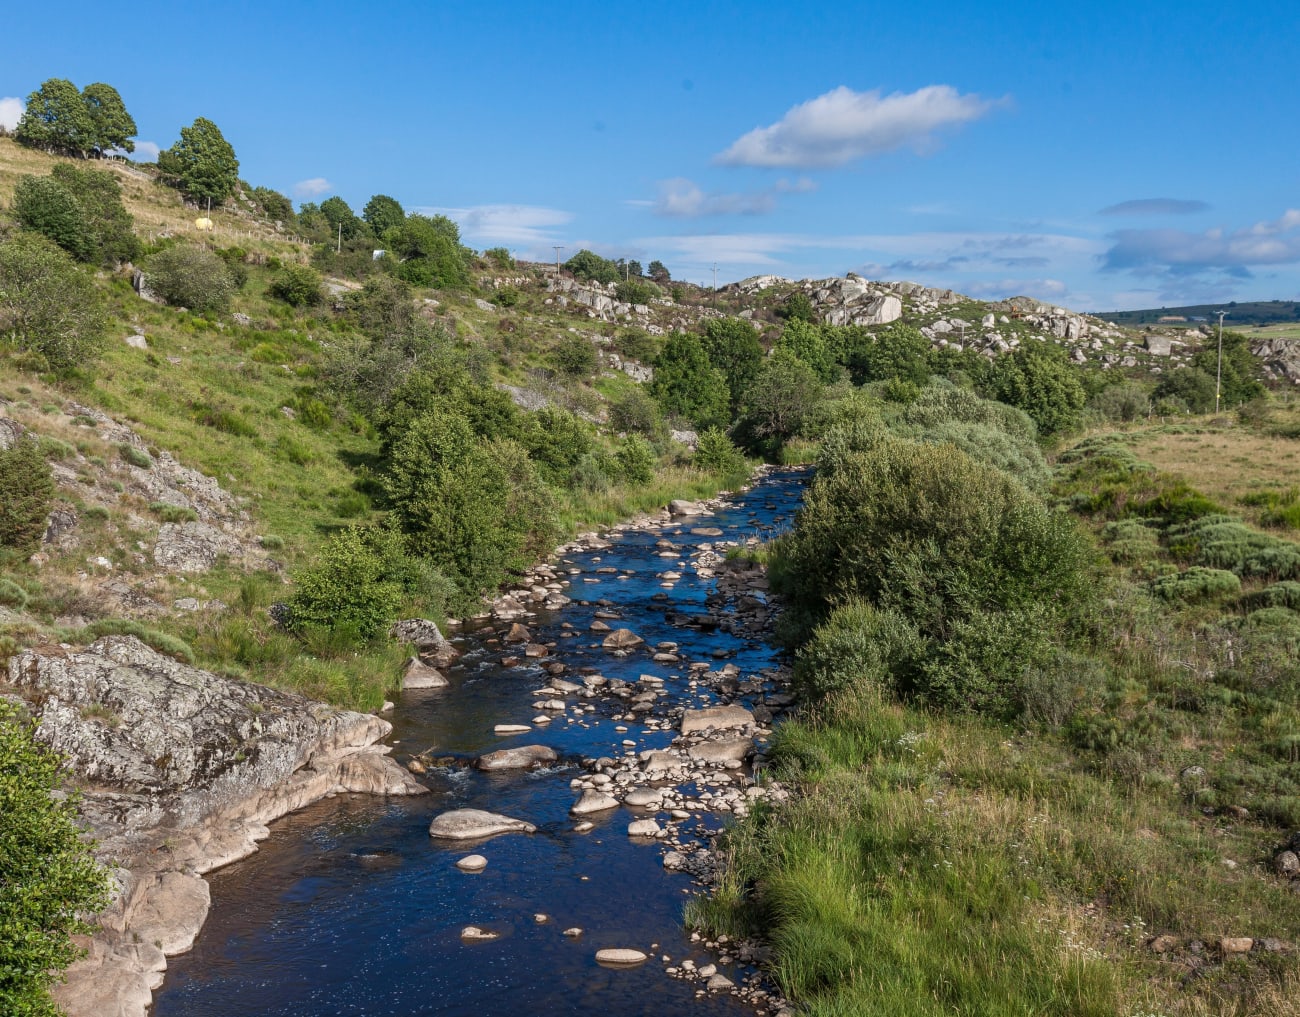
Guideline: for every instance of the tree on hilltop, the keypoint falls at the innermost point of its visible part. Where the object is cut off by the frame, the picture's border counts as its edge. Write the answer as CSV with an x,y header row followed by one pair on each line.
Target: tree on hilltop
x,y
383,213
202,164
57,120
659,272
113,125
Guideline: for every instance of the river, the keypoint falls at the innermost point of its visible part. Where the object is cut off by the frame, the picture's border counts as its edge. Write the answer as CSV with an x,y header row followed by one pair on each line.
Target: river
x,y
351,909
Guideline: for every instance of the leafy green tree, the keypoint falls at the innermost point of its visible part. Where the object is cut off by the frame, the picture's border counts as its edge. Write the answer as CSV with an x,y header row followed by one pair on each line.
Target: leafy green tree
x,y
338,213
100,196
734,348
783,395
659,273
1191,387
48,876
1241,369
590,265
57,120
575,356
312,224
808,342
636,460
26,494
556,441
895,351
383,213
1039,379
354,583
43,204
202,164
686,383
113,126
635,291
716,453
189,276
46,305
635,411
428,252
500,258
798,306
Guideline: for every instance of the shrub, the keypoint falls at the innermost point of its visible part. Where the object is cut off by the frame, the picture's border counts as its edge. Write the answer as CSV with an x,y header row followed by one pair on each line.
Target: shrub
x,y
26,494
189,276
354,585
1131,541
12,595
589,265
636,460
50,877
135,456
575,356
46,306
1223,542
636,291
858,648
1197,583
46,206
556,441
173,513
1125,401
1284,594
716,453
1039,379
109,226
297,286
635,411
686,384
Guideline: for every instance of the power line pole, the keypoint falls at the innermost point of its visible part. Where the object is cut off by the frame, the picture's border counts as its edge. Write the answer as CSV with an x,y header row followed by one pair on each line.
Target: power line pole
x,y
1218,374
558,249
338,248
715,275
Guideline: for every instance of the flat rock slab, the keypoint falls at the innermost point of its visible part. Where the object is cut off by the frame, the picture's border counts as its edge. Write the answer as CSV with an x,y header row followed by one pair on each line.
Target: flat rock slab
x,y
722,751
511,729
643,797
593,801
474,824
520,757
720,718
419,675
620,956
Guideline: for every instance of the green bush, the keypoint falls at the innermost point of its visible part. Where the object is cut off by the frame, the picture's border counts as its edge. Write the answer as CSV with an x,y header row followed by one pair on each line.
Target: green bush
x,y
297,286
47,307
189,276
1197,583
716,453
1285,594
556,441
858,649
46,206
1124,402
636,291
1131,541
636,460
51,879
575,356
354,585
12,595
687,385
1224,542
173,513
589,265
135,456
26,495
635,411
1038,379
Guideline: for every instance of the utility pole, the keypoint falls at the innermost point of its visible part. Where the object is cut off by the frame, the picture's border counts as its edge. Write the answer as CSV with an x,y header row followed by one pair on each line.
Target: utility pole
x,y
715,276
558,249
1218,374
338,248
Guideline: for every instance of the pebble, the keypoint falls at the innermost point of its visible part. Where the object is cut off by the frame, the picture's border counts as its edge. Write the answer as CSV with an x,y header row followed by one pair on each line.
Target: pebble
x,y
573,933
472,863
474,934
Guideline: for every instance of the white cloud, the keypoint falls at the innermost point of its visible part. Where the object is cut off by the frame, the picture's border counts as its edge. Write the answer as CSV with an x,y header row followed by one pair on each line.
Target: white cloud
x,y
843,126
1273,242
11,110
145,151
312,188
680,198
1000,289
513,225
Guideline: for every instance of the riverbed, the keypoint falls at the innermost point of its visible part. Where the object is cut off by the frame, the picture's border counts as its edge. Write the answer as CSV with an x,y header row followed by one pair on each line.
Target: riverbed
x,y
350,908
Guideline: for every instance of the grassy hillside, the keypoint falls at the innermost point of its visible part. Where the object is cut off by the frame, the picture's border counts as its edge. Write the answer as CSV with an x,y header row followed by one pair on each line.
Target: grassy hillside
x,y
1240,313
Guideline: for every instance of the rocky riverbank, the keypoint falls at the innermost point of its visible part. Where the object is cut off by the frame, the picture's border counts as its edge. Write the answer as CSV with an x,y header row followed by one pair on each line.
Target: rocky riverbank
x,y
181,772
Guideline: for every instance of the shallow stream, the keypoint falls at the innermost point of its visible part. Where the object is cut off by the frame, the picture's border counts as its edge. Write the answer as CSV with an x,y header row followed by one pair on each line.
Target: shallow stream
x,y
351,909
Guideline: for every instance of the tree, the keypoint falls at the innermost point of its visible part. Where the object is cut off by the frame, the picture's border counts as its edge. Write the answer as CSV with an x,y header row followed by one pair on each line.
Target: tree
x,y
46,305
896,351
202,164
297,286
100,197
113,126
1039,380
590,265
659,273
274,205
189,276
383,213
575,356
57,120
1241,369
783,394
688,385
734,349
429,252
26,493
808,342
48,876
353,584
43,204
1191,387
339,214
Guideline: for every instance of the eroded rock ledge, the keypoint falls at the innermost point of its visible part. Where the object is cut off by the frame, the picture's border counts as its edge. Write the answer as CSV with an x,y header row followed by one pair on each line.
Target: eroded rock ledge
x,y
182,770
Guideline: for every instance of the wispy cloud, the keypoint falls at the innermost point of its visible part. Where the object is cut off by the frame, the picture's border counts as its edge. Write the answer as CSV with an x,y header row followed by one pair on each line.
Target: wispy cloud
x,y
11,111
844,126
312,188
1155,206
1000,289
145,151
684,199
521,225
1272,242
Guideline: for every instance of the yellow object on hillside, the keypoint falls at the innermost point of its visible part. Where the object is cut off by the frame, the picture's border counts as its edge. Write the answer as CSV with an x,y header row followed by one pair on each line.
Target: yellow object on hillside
x,y
203,223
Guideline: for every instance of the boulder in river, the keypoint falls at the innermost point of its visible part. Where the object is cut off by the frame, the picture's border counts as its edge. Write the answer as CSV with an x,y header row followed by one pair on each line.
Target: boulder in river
x,y
474,824
519,757
432,645
678,507
419,675
622,639
593,801
472,863
517,634
620,956
722,750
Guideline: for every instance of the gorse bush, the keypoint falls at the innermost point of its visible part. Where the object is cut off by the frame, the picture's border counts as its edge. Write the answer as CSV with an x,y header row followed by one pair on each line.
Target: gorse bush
x,y
26,495
1224,542
297,286
636,460
1197,583
716,453
189,276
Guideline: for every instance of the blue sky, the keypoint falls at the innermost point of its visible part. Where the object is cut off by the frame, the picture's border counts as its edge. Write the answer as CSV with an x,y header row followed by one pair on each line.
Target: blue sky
x,y
1097,155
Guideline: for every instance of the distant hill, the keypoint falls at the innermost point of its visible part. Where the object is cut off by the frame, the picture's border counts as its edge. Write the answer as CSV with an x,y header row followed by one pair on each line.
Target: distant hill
x,y
1260,312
